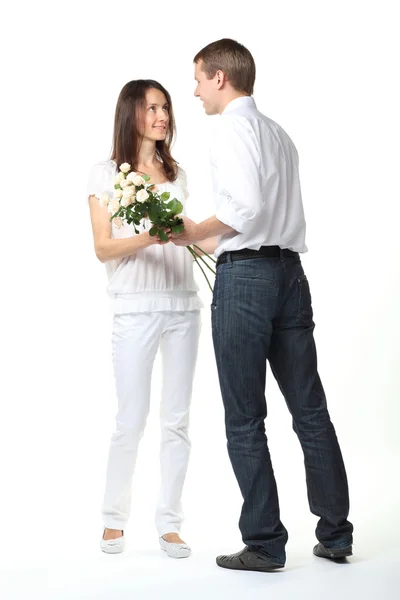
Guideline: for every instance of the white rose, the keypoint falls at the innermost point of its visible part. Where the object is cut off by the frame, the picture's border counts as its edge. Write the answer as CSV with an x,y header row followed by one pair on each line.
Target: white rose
x,y
115,205
131,176
128,191
117,222
125,167
127,201
123,183
128,196
138,180
117,193
142,196
104,200
118,178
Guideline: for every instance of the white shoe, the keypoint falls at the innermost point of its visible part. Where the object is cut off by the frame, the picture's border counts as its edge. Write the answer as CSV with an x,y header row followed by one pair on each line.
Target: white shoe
x,y
113,546
175,550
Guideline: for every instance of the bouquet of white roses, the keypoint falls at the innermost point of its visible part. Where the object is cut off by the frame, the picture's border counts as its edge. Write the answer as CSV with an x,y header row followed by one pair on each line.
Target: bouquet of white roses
x,y
135,200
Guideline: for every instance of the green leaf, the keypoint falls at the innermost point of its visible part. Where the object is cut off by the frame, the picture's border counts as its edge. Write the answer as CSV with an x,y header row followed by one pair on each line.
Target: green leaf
x,y
146,177
165,196
153,231
154,213
175,206
163,236
138,210
177,228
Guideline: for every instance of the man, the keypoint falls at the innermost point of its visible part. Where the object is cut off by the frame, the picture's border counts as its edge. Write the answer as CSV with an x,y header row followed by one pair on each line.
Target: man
x,y
262,311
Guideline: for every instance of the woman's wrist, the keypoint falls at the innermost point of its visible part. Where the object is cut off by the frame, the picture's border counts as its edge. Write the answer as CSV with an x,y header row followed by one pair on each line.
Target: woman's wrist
x,y
150,240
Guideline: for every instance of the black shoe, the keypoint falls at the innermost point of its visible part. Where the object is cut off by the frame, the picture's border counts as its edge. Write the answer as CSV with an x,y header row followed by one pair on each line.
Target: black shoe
x,y
333,553
248,560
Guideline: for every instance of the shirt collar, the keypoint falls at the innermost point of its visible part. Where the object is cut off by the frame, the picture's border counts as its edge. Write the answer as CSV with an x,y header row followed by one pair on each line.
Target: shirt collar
x,y
242,102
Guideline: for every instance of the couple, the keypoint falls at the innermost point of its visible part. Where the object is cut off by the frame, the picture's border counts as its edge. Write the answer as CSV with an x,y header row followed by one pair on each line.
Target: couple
x,y
261,310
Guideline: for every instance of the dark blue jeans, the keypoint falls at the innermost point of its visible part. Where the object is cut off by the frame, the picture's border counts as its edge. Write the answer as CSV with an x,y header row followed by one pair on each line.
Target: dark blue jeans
x,y
262,311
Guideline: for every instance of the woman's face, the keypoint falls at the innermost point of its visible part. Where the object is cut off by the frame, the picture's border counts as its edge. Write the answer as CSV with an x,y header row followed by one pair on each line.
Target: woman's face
x,y
156,116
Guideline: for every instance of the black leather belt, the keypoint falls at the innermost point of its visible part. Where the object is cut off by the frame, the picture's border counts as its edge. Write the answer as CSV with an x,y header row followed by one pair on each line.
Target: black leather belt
x,y
263,252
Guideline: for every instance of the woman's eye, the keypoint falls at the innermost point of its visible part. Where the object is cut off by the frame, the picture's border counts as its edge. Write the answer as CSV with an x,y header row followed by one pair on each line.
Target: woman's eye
x,y
166,108
151,108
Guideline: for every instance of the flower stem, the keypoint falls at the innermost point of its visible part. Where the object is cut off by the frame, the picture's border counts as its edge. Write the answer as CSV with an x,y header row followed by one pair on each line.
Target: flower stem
x,y
193,253
204,261
210,257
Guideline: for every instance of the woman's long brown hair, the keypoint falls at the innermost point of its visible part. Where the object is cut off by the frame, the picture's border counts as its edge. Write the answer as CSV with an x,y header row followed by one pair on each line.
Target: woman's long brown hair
x,y
127,136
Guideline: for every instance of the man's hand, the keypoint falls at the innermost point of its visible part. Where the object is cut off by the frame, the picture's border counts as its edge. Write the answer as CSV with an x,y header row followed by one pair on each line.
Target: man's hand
x,y
190,235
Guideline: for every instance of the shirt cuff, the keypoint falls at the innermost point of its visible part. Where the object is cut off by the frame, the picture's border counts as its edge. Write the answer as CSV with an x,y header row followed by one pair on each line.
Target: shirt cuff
x,y
227,215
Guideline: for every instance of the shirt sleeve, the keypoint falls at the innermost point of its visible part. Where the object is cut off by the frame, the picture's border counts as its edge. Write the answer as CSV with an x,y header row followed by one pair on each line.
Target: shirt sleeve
x,y
238,189
100,181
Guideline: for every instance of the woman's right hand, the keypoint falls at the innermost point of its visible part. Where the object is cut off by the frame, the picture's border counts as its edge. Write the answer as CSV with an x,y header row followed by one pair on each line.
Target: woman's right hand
x,y
155,239
106,247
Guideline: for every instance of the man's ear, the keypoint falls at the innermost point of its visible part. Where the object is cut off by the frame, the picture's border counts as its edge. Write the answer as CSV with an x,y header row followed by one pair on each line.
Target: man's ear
x,y
220,79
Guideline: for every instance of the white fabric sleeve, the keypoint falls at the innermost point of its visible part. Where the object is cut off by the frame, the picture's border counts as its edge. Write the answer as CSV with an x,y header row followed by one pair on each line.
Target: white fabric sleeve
x,y
100,180
238,192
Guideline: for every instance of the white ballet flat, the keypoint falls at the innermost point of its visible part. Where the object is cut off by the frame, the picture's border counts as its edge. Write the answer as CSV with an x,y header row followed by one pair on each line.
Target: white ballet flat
x,y
113,546
175,550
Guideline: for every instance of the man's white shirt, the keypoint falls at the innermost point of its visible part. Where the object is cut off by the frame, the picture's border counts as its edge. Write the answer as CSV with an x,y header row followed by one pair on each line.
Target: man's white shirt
x,y
256,181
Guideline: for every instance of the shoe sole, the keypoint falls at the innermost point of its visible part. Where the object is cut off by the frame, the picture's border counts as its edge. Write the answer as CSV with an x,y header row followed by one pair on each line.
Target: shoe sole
x,y
176,556
334,555
118,551
257,569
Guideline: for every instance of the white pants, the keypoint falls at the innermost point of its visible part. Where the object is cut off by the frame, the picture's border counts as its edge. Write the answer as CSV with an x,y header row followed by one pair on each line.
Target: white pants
x,y
136,338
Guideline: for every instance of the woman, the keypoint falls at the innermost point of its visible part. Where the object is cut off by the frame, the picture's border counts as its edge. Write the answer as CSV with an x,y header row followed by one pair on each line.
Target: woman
x,y
155,304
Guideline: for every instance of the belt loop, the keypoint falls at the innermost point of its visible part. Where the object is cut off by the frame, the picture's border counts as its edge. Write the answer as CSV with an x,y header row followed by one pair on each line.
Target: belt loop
x,y
281,254
229,259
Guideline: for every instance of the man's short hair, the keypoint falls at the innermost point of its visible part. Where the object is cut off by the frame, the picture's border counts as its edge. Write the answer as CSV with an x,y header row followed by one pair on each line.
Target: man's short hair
x,y
233,59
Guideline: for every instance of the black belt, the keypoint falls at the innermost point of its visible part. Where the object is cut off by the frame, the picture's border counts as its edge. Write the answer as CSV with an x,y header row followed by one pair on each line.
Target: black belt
x,y
263,252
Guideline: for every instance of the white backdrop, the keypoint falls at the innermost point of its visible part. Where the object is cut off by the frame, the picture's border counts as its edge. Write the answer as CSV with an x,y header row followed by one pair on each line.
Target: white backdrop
x,y
327,72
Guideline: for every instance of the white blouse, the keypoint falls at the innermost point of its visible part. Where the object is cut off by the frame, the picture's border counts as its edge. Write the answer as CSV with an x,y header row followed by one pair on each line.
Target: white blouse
x,y
157,278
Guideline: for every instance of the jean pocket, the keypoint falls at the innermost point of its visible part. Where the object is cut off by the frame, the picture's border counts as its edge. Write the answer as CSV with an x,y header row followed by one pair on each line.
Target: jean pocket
x,y
305,311
268,287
